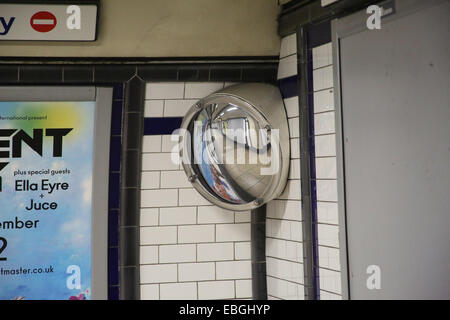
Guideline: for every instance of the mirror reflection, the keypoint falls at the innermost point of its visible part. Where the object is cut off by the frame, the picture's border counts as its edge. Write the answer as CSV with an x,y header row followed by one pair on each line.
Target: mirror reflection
x,y
230,148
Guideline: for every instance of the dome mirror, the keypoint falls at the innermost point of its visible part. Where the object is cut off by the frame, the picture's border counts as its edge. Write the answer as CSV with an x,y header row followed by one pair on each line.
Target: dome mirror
x,y
235,146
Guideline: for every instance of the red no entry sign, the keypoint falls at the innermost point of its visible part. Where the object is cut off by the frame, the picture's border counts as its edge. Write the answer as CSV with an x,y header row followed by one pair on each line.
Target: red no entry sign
x,y
43,21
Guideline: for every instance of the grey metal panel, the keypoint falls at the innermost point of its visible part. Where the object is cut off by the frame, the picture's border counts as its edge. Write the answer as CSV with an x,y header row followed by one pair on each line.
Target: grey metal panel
x,y
393,127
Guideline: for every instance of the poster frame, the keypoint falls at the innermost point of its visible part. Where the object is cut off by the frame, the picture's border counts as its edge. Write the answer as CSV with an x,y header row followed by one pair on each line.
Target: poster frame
x,y
100,175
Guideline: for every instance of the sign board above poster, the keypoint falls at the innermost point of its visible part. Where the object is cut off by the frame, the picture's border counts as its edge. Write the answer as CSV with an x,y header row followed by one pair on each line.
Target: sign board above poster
x,y
48,22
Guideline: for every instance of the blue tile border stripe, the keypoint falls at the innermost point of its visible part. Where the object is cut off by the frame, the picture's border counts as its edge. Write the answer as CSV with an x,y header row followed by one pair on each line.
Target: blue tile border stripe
x,y
156,126
288,87
319,34
114,192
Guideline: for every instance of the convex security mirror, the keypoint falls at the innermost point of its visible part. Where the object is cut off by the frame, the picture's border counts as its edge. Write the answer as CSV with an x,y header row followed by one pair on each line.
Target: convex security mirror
x,y
235,146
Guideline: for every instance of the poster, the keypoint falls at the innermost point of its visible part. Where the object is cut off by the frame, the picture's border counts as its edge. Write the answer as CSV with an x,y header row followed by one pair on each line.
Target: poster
x,y
46,162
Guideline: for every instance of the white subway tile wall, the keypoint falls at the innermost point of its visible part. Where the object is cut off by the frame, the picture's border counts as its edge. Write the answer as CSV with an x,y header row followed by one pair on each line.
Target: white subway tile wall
x,y
150,292
284,247
216,290
291,105
287,66
326,177
288,46
190,249
177,108
149,217
154,108
177,291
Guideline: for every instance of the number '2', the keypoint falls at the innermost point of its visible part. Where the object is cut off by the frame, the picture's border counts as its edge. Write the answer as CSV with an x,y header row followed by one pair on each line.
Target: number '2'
x,y
3,247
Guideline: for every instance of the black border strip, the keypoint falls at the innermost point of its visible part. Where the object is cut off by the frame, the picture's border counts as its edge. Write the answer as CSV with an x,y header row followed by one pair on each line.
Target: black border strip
x,y
138,60
71,73
312,164
305,168
129,230
258,249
